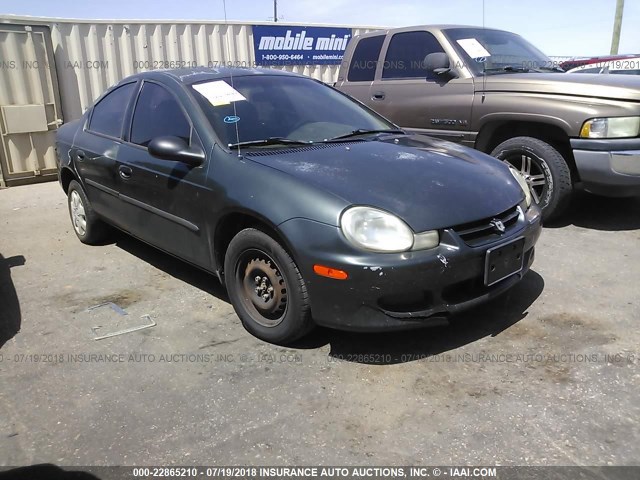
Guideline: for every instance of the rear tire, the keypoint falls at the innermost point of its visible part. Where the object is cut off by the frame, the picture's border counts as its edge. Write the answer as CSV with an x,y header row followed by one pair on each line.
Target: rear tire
x,y
545,169
266,288
88,227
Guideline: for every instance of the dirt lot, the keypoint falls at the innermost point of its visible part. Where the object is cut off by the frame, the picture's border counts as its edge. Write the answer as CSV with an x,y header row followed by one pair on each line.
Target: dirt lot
x,y
545,375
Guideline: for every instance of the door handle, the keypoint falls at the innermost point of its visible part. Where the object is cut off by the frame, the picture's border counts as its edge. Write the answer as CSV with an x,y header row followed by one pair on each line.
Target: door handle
x,y
80,155
378,96
125,172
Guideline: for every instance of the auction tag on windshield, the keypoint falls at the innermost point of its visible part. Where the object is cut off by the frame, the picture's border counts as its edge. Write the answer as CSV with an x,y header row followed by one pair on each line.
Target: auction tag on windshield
x,y
218,92
473,48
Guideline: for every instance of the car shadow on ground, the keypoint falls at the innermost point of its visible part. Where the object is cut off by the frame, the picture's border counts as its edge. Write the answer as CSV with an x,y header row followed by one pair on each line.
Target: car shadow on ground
x,y
173,266
45,472
387,348
600,213
10,316
382,348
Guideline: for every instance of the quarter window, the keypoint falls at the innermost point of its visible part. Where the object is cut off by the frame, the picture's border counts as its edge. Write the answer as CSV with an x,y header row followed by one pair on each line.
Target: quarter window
x,y
108,114
365,59
405,55
158,114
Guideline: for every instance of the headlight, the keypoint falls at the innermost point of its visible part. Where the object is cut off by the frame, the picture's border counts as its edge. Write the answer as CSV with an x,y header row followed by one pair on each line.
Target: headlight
x,y
373,229
379,231
617,127
523,184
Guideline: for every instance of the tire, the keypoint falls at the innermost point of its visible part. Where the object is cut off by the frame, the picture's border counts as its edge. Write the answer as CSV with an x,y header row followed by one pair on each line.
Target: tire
x,y
88,227
545,169
253,264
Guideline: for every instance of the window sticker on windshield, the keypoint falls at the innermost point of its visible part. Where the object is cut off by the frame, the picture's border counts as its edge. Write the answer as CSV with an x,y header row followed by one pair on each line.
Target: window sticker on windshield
x,y
473,48
219,92
231,119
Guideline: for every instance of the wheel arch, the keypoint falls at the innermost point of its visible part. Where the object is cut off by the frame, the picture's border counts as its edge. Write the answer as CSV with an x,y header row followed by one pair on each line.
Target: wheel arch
x,y
66,177
231,223
495,132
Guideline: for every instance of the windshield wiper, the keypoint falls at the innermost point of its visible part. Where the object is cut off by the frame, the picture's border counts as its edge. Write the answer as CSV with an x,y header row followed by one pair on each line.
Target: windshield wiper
x,y
268,141
364,131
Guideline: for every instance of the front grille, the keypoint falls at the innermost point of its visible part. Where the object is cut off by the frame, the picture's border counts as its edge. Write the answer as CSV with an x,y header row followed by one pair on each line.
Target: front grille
x,y
484,231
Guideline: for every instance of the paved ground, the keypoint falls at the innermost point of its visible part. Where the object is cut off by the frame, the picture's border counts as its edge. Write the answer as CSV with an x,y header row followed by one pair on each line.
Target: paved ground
x,y
546,375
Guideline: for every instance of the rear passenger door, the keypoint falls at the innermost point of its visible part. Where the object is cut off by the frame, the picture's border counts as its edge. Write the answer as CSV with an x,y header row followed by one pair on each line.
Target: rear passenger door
x,y
95,150
407,94
362,69
167,199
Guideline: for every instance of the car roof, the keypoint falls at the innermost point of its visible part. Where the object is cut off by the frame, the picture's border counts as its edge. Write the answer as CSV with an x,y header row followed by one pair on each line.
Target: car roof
x,y
189,76
434,27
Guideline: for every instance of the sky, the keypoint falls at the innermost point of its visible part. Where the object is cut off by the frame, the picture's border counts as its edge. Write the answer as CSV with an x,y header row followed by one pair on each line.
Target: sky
x,y
557,27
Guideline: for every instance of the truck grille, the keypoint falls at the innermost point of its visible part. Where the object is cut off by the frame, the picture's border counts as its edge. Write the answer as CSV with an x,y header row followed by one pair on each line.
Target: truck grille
x,y
487,230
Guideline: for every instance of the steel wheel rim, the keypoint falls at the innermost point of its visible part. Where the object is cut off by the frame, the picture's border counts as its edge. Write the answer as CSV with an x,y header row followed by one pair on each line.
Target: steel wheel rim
x,y
262,287
531,168
78,214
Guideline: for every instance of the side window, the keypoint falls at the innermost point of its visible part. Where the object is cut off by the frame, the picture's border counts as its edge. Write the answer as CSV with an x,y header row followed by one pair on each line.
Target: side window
x,y
365,59
406,53
108,114
158,114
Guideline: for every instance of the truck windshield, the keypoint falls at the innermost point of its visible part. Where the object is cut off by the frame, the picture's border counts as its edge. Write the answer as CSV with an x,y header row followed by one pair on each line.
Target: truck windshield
x,y
487,51
259,109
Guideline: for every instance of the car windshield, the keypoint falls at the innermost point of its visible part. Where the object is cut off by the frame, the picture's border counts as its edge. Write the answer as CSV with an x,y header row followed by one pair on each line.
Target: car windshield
x,y
495,51
252,108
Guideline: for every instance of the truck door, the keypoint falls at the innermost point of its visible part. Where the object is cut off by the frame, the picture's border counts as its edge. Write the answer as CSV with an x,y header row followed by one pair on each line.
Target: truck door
x,y
422,102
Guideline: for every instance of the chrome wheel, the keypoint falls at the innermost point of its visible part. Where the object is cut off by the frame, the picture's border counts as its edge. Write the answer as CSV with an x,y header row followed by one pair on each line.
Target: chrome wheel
x,y
264,288
78,215
536,173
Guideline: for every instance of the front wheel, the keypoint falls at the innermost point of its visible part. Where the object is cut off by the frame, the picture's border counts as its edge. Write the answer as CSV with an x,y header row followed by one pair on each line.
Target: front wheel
x,y
266,288
544,168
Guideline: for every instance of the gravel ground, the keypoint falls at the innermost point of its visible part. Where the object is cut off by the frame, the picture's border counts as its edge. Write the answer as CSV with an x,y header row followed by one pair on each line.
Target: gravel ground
x,y
545,375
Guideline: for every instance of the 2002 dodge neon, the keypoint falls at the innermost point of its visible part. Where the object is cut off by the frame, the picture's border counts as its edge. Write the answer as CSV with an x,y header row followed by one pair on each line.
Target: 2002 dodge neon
x,y
307,205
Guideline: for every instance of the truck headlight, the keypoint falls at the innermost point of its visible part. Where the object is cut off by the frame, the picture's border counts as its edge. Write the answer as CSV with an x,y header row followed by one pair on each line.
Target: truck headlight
x,y
614,127
379,231
523,184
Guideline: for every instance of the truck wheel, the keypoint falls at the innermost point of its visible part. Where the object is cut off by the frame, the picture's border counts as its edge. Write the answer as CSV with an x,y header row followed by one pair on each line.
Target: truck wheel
x,y
545,170
88,227
266,288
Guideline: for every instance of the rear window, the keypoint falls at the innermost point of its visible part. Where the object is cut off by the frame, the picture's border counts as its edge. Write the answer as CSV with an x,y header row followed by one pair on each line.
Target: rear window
x,y
108,114
365,59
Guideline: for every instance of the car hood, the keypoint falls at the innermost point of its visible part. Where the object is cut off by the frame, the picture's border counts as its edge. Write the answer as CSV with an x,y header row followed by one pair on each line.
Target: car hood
x,y
621,87
428,183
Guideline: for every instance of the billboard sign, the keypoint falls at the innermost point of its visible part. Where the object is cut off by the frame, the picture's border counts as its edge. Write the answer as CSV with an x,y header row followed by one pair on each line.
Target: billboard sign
x,y
287,45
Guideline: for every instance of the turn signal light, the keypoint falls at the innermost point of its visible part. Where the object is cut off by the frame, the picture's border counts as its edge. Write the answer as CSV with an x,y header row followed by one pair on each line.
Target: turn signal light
x,y
330,272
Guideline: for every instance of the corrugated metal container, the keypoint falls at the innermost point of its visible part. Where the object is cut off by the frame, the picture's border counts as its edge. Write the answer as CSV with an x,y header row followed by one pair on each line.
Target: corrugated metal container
x,y
89,56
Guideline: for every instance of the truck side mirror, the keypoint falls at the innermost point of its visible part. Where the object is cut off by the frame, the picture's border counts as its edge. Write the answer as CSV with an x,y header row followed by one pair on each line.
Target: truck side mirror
x,y
439,64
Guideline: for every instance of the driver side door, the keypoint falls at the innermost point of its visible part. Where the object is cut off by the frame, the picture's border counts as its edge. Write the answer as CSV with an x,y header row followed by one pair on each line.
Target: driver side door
x,y
166,198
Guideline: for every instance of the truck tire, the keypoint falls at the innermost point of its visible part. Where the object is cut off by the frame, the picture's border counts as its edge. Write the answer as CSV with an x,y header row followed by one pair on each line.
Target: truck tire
x,y
545,170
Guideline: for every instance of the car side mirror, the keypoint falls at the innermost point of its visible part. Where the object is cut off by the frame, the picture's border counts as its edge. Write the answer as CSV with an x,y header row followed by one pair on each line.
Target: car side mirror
x,y
176,149
439,64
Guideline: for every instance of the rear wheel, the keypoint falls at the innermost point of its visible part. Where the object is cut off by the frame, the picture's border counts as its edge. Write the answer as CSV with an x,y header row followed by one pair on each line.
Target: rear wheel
x,y
266,288
544,168
88,227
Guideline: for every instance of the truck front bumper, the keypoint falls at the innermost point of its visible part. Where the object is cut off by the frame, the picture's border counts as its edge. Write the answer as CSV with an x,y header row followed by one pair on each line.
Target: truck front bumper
x,y
608,167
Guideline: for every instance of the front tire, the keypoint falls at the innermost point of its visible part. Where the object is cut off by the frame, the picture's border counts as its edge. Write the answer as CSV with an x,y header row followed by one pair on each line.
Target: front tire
x,y
88,227
545,170
266,288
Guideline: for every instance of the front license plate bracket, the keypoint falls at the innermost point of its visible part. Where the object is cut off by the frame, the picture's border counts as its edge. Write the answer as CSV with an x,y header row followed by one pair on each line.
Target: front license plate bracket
x,y
503,261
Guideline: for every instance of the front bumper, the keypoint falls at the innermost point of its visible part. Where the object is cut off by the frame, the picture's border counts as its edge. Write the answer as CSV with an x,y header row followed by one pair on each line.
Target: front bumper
x,y
399,290
608,167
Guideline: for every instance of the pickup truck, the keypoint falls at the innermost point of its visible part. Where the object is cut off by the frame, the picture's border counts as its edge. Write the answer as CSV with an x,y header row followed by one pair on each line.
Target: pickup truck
x,y
493,91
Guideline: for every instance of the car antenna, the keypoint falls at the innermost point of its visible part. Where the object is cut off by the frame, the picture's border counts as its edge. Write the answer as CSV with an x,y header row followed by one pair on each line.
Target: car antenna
x,y
233,103
484,64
